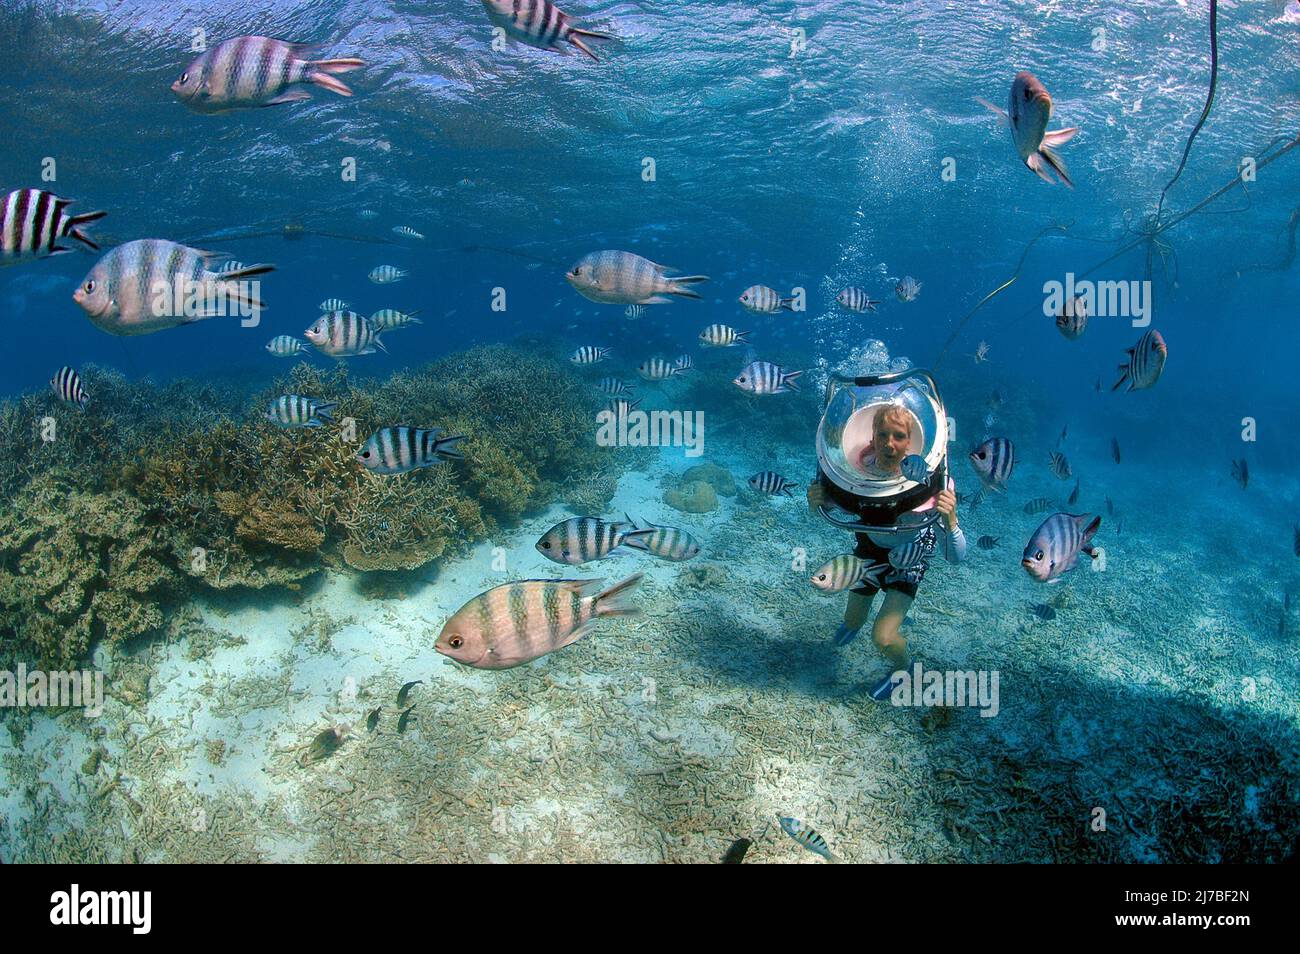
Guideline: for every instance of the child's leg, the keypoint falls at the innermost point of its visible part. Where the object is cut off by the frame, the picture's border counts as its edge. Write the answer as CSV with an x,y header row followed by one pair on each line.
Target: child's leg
x,y
885,631
855,617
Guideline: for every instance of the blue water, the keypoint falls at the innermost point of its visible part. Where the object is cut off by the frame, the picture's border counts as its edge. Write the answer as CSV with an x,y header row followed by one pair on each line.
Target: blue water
x,y
814,165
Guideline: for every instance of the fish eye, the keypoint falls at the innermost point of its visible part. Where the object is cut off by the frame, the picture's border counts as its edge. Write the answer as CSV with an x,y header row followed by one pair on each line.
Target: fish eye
x,y
366,454
1028,94
1038,555
546,544
184,77
455,642
90,286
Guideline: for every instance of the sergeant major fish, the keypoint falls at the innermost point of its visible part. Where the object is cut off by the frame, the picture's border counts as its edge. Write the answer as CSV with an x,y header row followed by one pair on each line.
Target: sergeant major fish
x,y
294,410
540,23
907,289
723,336
624,278
808,838
387,274
284,346
344,334
847,570
580,540
762,300
1028,111
33,221
855,299
400,449
136,288
1055,546
253,71
515,623
763,377
66,385
386,319
772,483
1146,360
667,543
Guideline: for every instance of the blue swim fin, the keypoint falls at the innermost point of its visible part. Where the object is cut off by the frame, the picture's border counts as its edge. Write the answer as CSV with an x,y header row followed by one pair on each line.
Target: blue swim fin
x,y
844,635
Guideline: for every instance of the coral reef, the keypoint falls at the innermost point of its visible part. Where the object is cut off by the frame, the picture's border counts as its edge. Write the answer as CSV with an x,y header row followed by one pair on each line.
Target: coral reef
x,y
719,478
121,509
692,496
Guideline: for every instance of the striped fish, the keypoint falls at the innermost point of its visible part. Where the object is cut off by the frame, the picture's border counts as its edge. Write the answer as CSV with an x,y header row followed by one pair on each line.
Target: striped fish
x,y
284,346
230,266
407,231
387,274
1039,505
32,221
135,288
294,410
769,482
657,369
1059,465
615,386
386,319
723,336
542,24
589,354
762,300
1074,494
855,299
583,539
847,570
1056,544
342,334
250,71
986,542
622,407
1146,360
808,837
518,622
684,362
633,312
907,289
907,555
1073,319
334,304
667,543
66,385
367,214
993,461
624,278
763,377
400,449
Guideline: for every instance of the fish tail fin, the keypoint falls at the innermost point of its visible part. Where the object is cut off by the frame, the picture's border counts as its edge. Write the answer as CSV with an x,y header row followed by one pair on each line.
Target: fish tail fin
x,y
231,282
786,304
742,337
1057,164
612,601
443,447
321,73
379,344
1122,378
787,379
1036,165
325,411
676,286
247,272
73,228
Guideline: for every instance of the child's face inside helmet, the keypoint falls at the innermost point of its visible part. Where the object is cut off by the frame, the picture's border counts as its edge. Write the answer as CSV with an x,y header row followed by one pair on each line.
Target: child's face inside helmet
x,y
892,436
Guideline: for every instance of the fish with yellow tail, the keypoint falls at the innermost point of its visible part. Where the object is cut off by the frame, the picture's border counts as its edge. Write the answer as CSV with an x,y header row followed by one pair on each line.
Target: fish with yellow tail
x,y
625,278
515,623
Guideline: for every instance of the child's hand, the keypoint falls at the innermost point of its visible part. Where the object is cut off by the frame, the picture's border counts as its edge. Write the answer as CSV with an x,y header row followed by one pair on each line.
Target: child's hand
x,y
816,495
946,503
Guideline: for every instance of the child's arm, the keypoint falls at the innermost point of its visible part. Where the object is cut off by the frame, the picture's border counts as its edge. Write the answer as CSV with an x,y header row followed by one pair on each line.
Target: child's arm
x,y
954,542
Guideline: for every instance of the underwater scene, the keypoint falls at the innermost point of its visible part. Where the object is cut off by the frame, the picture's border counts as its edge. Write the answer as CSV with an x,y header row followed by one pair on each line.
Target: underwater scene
x,y
804,431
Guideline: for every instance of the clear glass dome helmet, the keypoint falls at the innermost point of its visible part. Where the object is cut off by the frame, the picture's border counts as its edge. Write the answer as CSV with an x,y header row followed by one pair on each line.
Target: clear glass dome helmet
x,y
860,496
